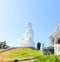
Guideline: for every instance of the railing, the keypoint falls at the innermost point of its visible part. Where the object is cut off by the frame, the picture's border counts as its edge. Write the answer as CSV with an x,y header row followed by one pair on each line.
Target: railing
x,y
7,49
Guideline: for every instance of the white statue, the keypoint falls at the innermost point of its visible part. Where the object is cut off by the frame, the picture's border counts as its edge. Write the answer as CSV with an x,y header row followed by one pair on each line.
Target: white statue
x,y
28,35
27,39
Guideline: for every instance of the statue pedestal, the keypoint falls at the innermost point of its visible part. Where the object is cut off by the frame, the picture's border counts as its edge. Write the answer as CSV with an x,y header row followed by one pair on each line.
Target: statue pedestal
x,y
26,44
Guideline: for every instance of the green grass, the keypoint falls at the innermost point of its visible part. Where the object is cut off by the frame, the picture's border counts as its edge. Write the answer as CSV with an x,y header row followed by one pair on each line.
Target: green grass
x,y
23,53
47,58
27,53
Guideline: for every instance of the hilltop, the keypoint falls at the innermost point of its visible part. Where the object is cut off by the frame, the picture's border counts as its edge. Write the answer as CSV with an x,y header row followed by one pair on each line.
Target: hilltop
x,y
20,53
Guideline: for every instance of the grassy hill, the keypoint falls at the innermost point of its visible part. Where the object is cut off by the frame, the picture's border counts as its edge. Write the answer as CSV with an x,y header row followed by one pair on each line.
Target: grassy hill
x,y
22,53
27,53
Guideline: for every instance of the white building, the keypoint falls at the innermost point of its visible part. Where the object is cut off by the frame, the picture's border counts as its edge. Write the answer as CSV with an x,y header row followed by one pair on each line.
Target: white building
x,y
55,39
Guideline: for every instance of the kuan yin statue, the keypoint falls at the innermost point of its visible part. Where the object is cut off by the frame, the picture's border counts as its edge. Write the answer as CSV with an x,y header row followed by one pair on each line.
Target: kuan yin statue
x,y
27,38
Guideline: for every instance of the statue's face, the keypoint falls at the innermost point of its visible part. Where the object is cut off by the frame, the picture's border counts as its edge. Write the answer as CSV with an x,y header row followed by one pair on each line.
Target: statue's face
x,y
29,25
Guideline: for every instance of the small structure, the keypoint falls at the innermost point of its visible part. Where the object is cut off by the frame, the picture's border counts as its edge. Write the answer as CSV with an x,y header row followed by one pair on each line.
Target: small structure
x,y
27,39
48,50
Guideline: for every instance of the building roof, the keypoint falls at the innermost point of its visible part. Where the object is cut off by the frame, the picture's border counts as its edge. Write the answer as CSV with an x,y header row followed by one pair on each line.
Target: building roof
x,y
56,31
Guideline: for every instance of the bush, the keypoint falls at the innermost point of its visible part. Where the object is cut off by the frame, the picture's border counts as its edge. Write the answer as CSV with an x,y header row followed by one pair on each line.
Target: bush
x,y
15,60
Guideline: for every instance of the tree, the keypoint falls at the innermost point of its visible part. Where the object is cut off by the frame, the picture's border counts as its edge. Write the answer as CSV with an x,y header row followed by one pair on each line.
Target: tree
x,y
43,47
38,45
3,45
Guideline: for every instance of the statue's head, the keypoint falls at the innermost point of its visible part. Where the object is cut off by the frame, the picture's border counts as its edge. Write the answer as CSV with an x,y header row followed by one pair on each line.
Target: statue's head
x,y
29,25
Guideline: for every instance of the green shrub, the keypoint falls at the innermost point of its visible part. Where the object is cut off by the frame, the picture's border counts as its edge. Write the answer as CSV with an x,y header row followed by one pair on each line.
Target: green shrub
x,y
15,60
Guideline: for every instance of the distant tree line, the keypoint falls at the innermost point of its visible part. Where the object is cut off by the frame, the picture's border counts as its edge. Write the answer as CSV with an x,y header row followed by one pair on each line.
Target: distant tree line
x,y
3,45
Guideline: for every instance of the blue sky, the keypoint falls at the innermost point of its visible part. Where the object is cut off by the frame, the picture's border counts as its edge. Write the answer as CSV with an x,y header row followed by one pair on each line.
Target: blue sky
x,y
15,14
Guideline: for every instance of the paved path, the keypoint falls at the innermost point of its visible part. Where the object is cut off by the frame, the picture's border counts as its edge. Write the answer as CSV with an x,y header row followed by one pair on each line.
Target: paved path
x,y
28,60
3,54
